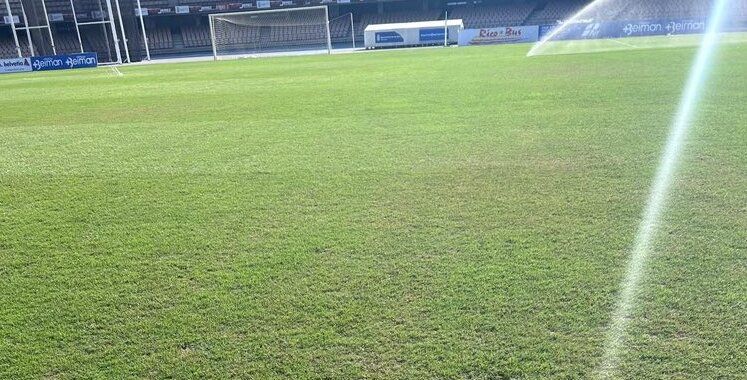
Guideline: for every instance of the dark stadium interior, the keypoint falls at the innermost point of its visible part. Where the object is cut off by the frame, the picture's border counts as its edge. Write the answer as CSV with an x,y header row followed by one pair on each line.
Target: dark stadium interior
x,y
174,32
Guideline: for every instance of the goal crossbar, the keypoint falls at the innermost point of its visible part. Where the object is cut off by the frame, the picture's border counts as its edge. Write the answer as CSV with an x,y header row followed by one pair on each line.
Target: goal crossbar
x,y
224,14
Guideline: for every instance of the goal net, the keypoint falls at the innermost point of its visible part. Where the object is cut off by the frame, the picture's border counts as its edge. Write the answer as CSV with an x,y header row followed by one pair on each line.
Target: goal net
x,y
270,31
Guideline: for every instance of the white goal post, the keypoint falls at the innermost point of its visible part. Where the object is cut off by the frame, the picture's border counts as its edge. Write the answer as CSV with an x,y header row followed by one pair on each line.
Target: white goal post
x,y
270,31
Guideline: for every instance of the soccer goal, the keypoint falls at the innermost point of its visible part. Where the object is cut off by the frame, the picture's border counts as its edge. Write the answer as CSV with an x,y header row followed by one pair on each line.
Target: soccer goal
x,y
270,31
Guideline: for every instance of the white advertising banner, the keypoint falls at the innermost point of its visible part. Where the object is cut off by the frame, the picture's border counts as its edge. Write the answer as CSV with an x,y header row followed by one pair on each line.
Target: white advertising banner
x,y
421,33
7,20
263,3
15,65
494,36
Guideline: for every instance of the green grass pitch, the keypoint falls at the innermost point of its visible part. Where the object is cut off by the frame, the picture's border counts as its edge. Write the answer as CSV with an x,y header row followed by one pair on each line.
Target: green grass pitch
x,y
435,213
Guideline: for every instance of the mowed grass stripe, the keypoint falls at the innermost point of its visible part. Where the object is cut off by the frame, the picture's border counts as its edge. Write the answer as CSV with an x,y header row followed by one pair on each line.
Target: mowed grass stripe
x,y
435,213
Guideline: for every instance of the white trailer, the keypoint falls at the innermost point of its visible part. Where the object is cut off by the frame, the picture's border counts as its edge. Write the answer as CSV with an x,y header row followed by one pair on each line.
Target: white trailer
x,y
425,33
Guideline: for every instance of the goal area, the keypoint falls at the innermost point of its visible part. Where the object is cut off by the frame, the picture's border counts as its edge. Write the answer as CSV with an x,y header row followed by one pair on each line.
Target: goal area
x,y
270,31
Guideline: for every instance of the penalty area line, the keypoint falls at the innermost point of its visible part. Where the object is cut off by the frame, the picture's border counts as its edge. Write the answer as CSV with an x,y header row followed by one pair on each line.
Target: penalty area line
x,y
624,43
115,71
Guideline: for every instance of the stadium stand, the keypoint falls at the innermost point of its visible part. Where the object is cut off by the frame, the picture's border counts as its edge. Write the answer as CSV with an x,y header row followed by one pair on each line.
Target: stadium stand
x,y
395,17
741,13
339,29
554,11
160,38
646,10
8,49
67,42
15,7
195,36
295,35
172,33
95,39
492,15
165,3
236,35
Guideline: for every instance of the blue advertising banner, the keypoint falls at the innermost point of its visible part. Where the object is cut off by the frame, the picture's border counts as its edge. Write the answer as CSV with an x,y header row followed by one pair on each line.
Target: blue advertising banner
x,y
660,27
389,37
546,29
618,29
432,35
64,62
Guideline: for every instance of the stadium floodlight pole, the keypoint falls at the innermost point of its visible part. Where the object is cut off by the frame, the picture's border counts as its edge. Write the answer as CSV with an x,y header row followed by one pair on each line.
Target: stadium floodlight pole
x,y
13,28
114,31
49,27
352,29
142,27
121,27
28,31
101,22
329,35
77,27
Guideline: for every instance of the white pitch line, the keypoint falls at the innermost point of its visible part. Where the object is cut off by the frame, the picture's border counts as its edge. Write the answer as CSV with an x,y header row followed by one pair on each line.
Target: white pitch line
x,y
115,70
624,43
